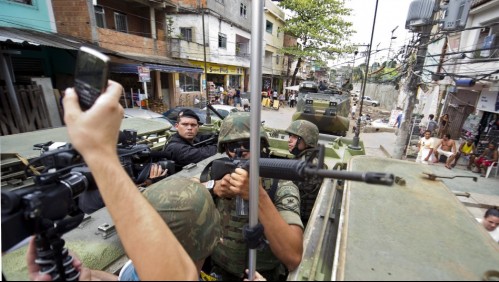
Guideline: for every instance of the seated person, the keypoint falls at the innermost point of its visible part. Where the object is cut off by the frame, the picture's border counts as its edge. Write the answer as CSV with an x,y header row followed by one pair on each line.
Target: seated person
x,y
447,147
486,159
182,148
466,150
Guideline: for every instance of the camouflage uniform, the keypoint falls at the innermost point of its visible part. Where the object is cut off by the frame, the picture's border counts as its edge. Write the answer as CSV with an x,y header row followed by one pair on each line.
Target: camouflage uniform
x,y
188,210
230,256
309,134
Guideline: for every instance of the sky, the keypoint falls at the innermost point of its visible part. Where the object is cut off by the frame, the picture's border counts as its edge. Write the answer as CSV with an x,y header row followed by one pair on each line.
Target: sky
x,y
390,14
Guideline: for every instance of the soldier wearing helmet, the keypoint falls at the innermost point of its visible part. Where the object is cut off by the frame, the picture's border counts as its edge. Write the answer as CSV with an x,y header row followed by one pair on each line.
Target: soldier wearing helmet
x,y
278,209
188,210
303,137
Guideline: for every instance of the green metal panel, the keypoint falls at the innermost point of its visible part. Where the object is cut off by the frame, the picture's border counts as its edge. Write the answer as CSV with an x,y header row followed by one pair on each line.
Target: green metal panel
x,y
416,231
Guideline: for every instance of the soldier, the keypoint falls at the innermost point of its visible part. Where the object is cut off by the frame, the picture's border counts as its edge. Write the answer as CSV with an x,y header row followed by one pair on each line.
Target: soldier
x,y
303,136
278,211
178,201
181,148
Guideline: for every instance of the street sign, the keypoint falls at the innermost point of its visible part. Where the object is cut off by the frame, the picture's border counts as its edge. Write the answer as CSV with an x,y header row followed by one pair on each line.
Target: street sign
x,y
144,74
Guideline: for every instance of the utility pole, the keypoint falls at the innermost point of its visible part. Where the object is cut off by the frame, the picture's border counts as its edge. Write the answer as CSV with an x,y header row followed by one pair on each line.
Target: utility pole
x,y
411,88
208,116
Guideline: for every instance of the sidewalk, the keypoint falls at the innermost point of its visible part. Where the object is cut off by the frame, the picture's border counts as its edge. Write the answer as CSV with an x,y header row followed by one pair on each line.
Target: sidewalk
x,y
483,193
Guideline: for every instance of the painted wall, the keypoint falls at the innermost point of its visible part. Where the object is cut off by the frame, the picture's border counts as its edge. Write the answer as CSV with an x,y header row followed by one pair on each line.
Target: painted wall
x,y
39,15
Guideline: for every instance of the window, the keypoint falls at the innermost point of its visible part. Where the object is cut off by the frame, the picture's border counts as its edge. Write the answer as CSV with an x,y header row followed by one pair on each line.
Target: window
x,y
220,1
189,82
222,40
489,41
242,10
100,17
268,27
277,59
186,33
120,22
27,2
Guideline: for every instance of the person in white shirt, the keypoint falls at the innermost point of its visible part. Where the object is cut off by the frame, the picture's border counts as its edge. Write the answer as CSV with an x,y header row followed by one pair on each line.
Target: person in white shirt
x,y
490,221
426,146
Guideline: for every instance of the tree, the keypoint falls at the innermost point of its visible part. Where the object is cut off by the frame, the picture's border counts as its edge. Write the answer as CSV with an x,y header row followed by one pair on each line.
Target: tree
x,y
320,28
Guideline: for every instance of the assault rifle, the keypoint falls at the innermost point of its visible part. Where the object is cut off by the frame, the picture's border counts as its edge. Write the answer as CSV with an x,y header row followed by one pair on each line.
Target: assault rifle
x,y
295,170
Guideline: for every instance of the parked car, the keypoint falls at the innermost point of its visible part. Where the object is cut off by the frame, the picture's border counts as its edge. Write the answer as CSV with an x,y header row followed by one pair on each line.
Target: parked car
x,y
369,102
146,114
223,110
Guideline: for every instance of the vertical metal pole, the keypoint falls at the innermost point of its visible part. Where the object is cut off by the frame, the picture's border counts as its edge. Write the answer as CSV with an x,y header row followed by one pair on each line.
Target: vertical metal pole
x,y
355,139
208,116
256,85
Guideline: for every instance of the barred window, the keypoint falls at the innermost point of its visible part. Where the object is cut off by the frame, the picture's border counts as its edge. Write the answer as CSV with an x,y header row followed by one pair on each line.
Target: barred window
x,y
186,33
120,21
189,82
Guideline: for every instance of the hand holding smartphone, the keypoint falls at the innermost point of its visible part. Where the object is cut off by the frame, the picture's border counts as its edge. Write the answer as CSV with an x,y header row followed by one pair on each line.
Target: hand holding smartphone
x,y
91,76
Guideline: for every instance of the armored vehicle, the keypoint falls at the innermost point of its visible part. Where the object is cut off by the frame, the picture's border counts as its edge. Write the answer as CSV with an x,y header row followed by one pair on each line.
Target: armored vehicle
x,y
95,240
413,230
327,109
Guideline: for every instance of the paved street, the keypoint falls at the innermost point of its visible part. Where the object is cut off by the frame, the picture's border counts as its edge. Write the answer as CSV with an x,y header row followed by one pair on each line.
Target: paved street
x,y
484,192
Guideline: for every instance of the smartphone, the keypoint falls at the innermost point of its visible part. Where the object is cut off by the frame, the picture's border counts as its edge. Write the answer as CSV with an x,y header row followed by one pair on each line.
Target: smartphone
x,y
91,75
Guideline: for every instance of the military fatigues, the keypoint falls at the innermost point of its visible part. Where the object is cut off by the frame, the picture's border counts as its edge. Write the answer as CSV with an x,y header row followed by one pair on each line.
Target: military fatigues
x,y
309,134
188,210
230,256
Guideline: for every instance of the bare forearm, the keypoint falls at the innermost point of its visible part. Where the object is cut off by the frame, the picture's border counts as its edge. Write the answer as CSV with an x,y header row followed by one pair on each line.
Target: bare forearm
x,y
286,241
133,217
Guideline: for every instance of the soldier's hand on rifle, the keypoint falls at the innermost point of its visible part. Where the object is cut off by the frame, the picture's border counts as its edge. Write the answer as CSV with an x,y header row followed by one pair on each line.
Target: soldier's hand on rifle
x,y
239,183
223,187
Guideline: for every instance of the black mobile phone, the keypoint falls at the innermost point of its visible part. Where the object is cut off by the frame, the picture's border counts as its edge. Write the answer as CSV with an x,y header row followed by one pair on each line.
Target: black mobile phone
x,y
91,75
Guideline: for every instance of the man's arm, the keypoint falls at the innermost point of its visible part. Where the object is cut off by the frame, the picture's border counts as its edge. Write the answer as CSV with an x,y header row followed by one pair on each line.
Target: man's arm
x,y
285,240
453,147
147,240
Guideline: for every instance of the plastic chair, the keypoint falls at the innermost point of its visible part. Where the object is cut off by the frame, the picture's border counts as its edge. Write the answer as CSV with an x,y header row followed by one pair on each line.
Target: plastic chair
x,y
492,167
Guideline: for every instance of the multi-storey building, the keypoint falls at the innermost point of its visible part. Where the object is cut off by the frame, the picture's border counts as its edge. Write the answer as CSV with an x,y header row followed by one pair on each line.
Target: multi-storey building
x,y
274,68
215,34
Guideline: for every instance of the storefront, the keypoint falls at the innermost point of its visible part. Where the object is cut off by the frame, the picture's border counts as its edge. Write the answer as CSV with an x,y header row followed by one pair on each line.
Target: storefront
x,y
488,129
222,75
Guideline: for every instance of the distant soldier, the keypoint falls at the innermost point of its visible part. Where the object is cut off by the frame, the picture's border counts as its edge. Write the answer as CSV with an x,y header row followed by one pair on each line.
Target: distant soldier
x,y
303,138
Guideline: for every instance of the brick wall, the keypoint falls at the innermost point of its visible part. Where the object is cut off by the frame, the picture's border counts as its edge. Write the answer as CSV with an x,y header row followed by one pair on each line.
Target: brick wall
x,y
129,43
72,18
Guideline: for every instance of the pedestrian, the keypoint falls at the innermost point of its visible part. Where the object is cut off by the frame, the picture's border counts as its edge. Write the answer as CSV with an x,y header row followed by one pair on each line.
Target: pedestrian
x,y
432,125
353,110
292,99
443,127
237,98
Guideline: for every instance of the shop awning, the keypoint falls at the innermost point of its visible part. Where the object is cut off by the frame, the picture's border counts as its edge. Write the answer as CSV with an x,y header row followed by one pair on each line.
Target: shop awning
x,y
127,63
121,62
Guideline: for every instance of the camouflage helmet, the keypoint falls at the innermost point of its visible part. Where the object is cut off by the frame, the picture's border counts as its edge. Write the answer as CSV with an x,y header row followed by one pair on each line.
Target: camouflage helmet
x,y
236,127
306,130
187,208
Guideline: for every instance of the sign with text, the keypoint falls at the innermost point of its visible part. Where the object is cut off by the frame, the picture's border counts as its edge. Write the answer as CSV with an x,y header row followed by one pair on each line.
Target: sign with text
x,y
144,74
489,102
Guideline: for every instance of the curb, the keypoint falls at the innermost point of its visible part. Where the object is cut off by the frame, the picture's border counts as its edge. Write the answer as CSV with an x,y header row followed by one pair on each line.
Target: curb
x,y
385,151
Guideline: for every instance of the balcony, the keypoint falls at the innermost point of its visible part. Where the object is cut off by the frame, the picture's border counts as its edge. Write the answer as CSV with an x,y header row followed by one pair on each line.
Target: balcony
x,y
184,49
